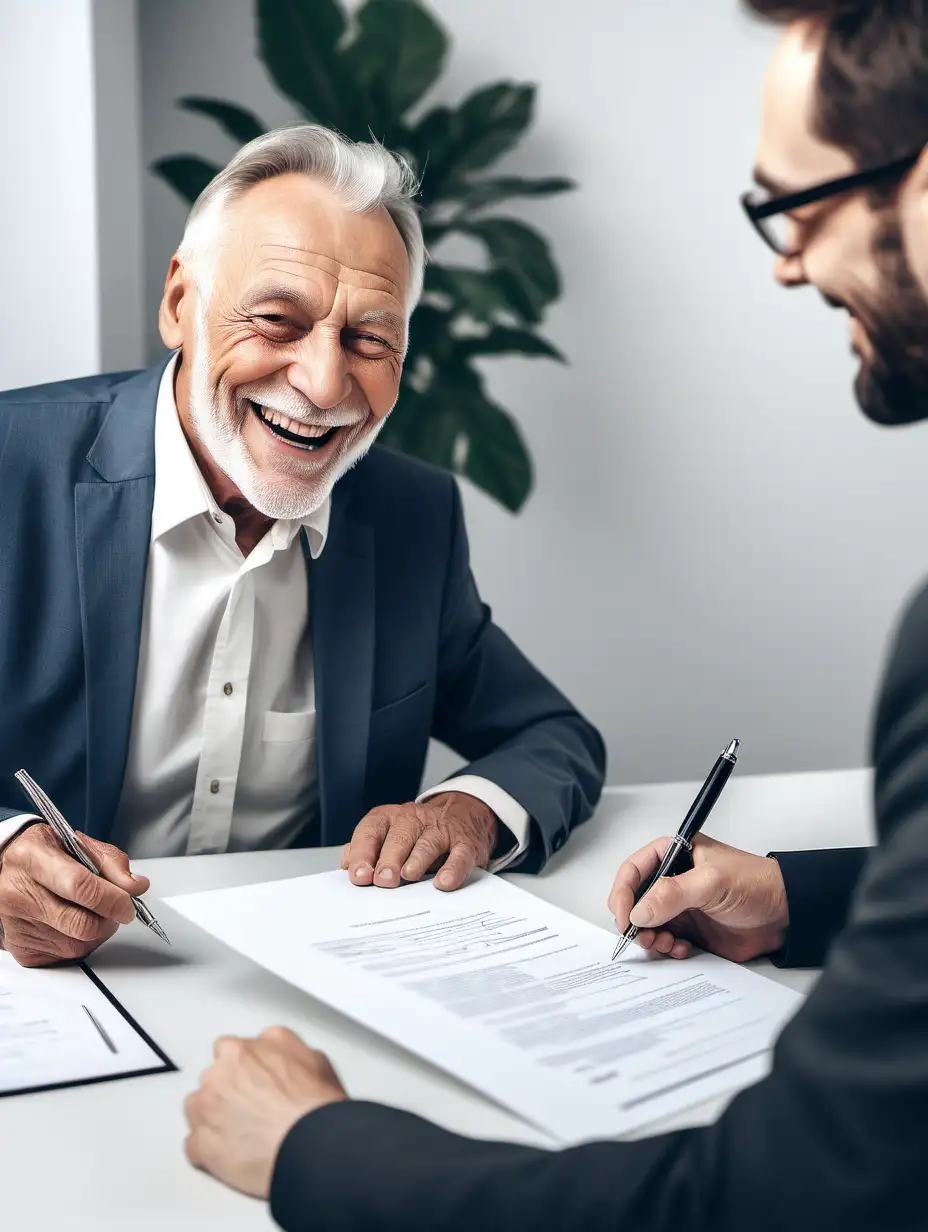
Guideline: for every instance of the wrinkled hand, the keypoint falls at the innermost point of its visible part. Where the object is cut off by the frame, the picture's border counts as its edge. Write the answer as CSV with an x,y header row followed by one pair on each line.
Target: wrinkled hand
x,y
249,1100
52,909
731,902
410,839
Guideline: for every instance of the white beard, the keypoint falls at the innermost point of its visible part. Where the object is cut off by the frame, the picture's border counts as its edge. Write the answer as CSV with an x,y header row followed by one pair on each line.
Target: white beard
x,y
283,495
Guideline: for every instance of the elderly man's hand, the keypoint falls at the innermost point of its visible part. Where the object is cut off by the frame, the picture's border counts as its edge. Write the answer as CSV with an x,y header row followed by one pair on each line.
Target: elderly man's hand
x,y
52,909
407,840
249,1100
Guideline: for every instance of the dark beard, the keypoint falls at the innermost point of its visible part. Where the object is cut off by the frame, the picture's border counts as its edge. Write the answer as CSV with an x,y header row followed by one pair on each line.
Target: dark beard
x,y
892,388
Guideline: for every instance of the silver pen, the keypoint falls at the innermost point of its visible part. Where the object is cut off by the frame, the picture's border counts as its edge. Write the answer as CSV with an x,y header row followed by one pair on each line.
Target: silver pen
x,y
692,823
72,844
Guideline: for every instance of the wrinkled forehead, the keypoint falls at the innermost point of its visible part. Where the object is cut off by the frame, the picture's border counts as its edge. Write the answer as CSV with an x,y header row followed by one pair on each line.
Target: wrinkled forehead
x,y
789,154
294,233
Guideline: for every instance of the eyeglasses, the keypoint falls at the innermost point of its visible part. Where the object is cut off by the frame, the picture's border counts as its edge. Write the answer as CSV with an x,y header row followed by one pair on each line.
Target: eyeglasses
x,y
767,215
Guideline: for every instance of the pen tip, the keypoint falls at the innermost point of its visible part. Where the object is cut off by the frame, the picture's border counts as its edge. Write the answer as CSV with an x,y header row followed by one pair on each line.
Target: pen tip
x,y
732,751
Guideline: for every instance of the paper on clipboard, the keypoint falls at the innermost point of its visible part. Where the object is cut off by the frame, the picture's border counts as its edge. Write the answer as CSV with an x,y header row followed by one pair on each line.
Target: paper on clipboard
x,y
60,1026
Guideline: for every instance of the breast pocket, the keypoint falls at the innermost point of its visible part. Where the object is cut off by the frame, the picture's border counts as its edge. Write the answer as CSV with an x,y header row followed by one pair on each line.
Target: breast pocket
x,y
281,728
288,764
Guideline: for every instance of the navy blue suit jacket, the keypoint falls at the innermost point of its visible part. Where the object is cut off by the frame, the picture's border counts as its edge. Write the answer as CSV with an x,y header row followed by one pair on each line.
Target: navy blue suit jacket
x,y
403,647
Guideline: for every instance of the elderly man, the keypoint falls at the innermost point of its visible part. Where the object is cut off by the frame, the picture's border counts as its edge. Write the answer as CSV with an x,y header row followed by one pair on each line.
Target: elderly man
x,y
212,637
835,1138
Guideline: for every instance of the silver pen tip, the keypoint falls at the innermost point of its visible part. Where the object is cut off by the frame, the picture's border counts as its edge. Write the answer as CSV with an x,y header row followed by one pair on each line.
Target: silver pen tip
x,y
621,947
732,751
159,932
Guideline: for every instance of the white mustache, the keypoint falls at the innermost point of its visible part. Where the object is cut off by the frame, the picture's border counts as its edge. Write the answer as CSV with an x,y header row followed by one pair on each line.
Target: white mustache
x,y
302,410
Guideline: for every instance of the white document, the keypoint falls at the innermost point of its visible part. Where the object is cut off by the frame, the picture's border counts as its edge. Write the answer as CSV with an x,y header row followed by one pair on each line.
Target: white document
x,y
58,1027
510,994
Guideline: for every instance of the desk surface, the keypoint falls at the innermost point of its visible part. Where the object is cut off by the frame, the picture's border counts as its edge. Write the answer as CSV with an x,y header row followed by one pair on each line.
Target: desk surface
x,y
110,1156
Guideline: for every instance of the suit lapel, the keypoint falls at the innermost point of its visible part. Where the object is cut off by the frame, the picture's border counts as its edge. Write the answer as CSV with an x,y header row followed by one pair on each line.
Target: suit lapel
x,y
341,602
113,525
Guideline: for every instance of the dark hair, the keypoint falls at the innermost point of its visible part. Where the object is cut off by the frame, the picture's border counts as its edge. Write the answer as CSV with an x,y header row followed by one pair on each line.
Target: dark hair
x,y
873,75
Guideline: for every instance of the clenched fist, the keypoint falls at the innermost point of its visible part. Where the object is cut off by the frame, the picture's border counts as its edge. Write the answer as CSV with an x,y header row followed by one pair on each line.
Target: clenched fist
x,y
52,909
247,1102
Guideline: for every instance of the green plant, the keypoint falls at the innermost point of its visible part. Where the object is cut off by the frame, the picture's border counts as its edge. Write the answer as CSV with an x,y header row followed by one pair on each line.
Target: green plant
x,y
365,75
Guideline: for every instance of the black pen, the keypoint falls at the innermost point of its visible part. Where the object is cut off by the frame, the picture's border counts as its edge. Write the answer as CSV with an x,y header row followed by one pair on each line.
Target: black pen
x,y
682,842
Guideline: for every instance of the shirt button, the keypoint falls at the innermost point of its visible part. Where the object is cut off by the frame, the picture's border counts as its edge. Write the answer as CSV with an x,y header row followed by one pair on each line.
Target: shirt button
x,y
227,689
214,786
217,518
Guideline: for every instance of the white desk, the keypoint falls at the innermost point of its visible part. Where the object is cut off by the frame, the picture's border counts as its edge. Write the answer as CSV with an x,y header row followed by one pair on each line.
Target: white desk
x,y
109,1157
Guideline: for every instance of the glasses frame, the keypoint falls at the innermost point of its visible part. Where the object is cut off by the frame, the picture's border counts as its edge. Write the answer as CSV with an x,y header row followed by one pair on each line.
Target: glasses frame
x,y
758,211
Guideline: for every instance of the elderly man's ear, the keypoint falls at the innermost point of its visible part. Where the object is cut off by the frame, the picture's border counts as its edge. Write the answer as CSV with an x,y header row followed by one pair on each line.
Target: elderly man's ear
x,y
913,203
174,302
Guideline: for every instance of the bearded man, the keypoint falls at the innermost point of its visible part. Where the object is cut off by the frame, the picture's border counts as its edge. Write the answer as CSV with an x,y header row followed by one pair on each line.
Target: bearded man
x,y
212,637
834,1139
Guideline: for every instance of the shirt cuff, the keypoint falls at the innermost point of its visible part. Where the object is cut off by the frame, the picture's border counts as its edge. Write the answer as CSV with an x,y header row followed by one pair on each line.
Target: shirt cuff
x,y
13,826
510,812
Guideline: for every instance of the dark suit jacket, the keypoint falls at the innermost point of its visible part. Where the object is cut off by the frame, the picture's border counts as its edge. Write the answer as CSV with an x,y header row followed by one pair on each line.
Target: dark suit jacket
x,y
835,1139
820,887
403,647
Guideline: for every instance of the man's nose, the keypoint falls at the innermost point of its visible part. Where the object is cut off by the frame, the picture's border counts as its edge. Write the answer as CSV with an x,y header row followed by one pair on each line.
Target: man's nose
x,y
321,372
790,271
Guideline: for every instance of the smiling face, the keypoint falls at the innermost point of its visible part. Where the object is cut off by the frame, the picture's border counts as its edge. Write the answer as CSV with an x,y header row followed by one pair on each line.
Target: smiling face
x,y
292,363
848,247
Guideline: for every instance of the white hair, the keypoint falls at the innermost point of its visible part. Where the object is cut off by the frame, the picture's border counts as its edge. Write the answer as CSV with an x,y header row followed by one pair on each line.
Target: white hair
x,y
363,176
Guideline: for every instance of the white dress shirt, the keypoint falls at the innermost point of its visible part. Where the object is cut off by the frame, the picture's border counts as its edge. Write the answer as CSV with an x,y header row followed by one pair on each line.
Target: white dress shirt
x,y
222,751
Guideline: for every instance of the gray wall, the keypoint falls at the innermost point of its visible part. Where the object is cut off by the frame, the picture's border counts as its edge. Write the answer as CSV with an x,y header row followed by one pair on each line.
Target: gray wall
x,y
70,214
119,185
718,542
49,308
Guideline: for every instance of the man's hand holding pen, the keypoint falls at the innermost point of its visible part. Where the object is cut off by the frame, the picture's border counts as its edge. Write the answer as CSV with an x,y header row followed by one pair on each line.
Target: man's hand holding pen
x,y
52,909
731,902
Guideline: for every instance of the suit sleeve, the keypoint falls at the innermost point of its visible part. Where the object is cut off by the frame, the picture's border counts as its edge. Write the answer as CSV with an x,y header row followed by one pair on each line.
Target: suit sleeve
x,y
836,1137
819,889
513,726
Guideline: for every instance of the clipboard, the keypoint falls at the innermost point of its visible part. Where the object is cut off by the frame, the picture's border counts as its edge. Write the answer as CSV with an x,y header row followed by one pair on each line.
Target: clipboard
x,y
52,1045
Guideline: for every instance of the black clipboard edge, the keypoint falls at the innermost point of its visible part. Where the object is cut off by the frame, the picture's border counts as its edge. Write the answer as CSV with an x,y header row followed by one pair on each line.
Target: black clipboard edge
x,y
167,1066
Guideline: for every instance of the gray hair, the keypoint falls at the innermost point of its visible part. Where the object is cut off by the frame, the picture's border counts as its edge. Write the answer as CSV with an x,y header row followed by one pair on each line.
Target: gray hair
x,y
363,176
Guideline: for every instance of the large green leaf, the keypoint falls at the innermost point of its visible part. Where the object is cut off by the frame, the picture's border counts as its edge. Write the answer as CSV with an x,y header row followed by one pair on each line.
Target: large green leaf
x,y
482,294
298,40
426,426
477,195
397,55
455,411
430,146
497,459
490,122
446,145
187,174
503,341
241,125
431,333
520,250
432,232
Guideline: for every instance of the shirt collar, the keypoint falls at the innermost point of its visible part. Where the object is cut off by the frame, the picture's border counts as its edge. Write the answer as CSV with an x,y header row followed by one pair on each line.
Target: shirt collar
x,y
181,492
